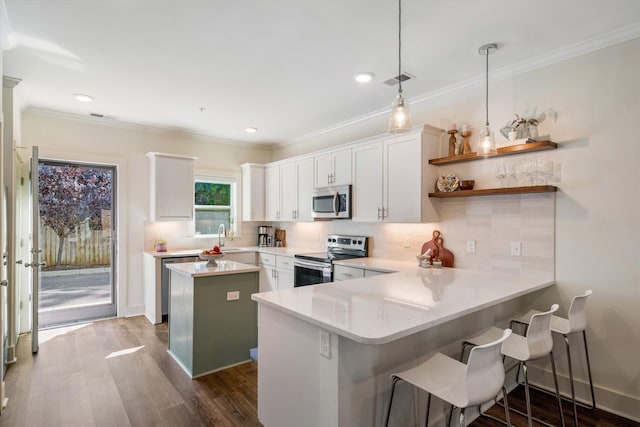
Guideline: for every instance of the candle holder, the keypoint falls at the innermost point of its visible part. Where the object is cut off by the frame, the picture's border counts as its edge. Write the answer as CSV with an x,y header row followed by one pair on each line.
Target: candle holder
x,y
452,142
466,146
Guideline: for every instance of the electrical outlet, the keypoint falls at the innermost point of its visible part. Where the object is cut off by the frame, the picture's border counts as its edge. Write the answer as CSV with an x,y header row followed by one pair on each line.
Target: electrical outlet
x,y
325,344
471,246
406,242
516,249
233,296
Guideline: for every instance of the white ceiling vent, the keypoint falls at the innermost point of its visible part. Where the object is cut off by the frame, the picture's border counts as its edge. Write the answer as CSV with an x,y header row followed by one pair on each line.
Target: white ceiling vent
x,y
402,77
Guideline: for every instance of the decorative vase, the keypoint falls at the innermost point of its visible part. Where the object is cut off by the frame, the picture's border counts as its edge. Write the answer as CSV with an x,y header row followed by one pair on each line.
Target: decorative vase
x,y
161,247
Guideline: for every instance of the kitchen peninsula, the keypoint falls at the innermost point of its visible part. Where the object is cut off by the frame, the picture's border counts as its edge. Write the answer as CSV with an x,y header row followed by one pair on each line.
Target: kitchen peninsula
x,y
329,349
212,320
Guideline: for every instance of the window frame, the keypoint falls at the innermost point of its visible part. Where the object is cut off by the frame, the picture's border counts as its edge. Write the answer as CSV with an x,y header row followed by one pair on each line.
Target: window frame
x,y
233,199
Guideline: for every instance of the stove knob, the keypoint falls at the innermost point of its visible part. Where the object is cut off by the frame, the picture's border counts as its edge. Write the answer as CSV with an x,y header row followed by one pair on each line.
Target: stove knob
x,y
353,242
359,242
333,240
329,240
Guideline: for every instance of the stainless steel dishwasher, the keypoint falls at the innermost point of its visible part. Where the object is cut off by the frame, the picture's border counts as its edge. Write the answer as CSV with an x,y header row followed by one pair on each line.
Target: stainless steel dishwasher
x,y
166,277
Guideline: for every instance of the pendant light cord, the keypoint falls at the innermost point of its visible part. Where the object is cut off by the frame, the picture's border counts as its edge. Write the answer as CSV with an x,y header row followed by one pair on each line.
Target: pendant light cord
x,y
487,89
400,46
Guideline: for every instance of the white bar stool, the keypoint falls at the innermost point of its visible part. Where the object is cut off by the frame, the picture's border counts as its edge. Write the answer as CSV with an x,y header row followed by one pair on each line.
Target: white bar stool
x,y
535,344
576,323
479,381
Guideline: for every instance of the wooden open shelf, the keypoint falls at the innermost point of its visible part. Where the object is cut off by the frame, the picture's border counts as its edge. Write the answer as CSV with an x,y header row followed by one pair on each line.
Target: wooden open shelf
x,y
503,151
496,191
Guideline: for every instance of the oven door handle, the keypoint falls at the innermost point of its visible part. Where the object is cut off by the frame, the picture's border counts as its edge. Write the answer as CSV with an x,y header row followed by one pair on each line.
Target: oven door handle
x,y
312,265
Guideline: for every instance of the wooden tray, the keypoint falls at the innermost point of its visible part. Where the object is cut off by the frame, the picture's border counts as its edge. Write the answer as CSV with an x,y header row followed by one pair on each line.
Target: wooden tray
x,y
436,244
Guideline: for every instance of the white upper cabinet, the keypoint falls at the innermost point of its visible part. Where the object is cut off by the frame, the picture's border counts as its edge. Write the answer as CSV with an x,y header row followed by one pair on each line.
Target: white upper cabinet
x,y
332,168
273,205
253,191
367,183
297,185
392,178
171,187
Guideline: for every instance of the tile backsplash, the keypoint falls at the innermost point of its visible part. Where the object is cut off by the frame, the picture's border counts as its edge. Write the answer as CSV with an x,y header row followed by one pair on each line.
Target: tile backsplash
x,y
493,222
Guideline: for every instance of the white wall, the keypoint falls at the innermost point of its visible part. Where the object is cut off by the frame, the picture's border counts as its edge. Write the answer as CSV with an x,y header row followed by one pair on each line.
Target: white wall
x,y
80,139
597,207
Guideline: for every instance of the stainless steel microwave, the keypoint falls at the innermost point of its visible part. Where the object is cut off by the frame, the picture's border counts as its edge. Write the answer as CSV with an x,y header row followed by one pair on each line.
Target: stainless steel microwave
x,y
331,203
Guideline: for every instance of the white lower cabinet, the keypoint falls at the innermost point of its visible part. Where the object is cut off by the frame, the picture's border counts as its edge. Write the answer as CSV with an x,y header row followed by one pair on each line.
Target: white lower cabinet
x,y
344,272
276,272
392,178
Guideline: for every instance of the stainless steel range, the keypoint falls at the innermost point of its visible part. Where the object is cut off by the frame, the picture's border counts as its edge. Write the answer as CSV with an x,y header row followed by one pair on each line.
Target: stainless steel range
x,y
314,268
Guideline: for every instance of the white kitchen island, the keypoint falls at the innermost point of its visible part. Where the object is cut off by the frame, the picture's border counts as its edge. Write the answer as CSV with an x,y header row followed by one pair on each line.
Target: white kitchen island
x,y
375,326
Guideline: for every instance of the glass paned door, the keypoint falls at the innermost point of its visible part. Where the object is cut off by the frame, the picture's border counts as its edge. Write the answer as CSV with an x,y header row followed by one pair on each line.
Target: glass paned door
x,y
77,221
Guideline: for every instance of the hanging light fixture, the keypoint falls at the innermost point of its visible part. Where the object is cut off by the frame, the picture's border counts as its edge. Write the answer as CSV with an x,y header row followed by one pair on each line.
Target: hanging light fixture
x,y
487,141
400,119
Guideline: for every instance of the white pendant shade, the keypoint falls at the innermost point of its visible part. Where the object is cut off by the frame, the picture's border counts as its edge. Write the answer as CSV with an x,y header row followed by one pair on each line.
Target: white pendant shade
x,y
400,119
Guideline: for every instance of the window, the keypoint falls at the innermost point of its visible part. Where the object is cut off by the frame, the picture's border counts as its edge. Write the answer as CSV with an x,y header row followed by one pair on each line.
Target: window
x,y
215,204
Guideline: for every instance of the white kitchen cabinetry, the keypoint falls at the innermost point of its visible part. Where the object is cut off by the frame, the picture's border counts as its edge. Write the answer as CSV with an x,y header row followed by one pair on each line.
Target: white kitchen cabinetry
x,y
276,272
392,178
332,168
253,191
273,205
295,186
171,187
344,272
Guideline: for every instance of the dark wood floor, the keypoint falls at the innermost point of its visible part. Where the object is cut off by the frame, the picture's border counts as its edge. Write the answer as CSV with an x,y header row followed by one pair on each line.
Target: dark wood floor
x,y
117,372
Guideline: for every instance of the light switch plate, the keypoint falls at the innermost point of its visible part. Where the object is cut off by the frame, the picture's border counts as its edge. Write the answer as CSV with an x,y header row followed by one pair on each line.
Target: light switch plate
x,y
516,249
471,246
325,344
233,296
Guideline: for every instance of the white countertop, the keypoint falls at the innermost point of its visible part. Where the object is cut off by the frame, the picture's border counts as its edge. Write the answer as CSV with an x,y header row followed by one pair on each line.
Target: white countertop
x,y
381,309
286,251
201,269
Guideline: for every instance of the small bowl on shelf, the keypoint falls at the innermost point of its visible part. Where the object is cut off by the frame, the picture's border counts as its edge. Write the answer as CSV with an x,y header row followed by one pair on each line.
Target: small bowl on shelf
x,y
466,184
210,258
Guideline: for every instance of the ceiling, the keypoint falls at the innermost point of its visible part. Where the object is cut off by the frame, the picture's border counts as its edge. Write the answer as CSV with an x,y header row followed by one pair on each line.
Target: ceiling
x,y
285,67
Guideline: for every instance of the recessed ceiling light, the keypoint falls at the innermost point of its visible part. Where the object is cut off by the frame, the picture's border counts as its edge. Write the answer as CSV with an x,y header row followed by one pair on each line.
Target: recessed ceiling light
x,y
251,130
364,77
82,97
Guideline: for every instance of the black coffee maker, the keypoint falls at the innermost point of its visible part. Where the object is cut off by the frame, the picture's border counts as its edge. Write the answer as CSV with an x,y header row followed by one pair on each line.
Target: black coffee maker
x,y
265,235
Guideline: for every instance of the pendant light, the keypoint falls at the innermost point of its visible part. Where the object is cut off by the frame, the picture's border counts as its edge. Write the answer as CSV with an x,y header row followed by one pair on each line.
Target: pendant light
x,y
400,119
487,141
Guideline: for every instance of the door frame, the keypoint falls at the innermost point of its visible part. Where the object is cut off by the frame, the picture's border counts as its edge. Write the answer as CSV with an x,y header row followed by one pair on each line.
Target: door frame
x,y
90,311
121,238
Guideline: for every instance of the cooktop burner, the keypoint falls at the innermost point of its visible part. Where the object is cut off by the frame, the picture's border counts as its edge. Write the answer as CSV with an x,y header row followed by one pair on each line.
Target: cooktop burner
x,y
339,247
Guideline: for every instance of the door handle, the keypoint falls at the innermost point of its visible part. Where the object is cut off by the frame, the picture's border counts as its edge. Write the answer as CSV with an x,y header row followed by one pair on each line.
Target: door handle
x,y
19,261
4,283
36,264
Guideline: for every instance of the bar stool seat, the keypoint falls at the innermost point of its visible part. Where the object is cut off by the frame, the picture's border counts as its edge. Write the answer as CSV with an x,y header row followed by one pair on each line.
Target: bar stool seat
x,y
462,385
536,344
574,324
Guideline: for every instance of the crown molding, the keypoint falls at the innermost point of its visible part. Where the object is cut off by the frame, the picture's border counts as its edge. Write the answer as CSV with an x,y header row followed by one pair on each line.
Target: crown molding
x,y
147,128
565,53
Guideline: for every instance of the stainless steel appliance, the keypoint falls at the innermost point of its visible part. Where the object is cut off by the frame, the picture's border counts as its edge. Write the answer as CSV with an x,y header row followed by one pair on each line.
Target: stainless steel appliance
x,y
165,278
265,235
331,203
314,268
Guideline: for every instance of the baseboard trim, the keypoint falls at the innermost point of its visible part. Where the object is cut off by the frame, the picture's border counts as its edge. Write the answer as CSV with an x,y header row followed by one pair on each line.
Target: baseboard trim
x,y
134,310
606,399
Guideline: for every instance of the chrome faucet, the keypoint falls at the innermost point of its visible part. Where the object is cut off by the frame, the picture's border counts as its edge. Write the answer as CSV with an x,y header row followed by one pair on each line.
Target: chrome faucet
x,y
221,235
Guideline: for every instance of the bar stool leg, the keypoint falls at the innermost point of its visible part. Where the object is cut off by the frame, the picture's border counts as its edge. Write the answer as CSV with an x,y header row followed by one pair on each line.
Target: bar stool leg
x,y
462,417
586,352
526,393
555,380
506,406
393,389
573,391
426,420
